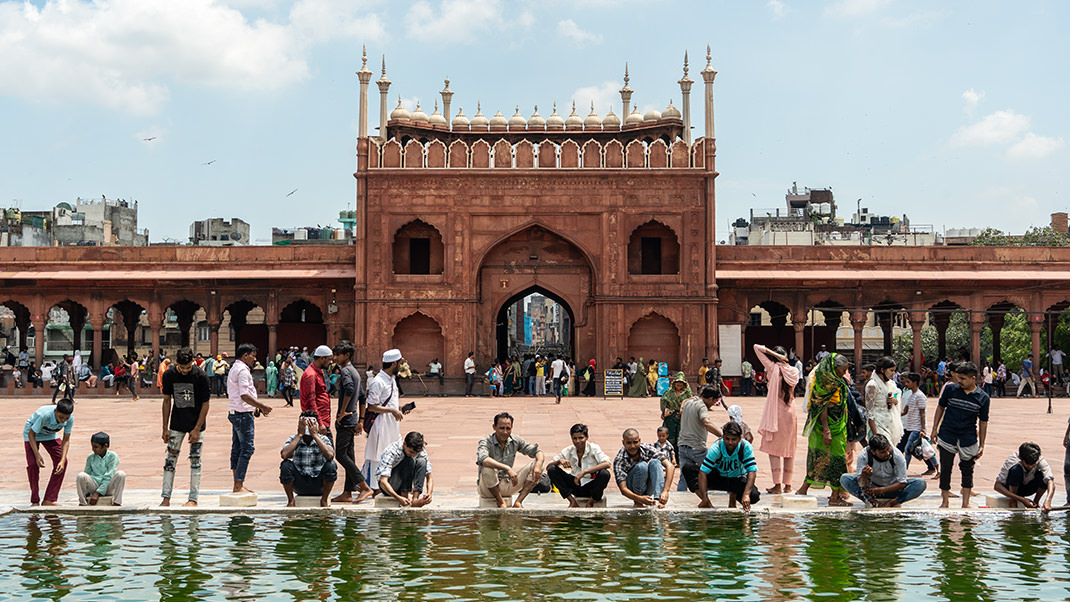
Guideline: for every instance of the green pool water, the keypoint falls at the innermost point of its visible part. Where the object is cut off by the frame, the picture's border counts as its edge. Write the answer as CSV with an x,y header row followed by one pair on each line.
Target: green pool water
x,y
429,556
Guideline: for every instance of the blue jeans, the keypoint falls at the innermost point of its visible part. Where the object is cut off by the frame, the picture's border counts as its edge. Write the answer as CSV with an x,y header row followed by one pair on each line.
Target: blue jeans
x,y
910,438
557,387
690,461
646,478
241,443
914,488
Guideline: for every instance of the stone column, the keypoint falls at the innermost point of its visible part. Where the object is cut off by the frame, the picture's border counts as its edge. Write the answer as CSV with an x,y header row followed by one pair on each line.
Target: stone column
x,y
213,337
1036,324
39,324
625,97
97,324
273,331
884,320
156,325
977,322
858,322
800,337
384,87
941,319
708,74
917,323
995,322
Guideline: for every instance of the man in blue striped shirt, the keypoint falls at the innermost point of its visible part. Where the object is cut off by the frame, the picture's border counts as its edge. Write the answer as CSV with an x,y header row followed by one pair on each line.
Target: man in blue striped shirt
x,y
729,466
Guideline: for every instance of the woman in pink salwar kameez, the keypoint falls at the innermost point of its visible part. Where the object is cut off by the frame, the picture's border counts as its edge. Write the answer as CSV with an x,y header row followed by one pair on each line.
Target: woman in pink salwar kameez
x,y
779,427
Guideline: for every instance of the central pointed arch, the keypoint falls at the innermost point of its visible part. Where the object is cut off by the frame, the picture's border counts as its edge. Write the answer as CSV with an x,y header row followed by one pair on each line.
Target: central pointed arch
x,y
505,347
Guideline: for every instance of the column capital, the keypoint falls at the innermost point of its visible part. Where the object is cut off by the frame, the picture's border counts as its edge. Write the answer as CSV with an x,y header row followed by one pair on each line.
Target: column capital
x,y
859,319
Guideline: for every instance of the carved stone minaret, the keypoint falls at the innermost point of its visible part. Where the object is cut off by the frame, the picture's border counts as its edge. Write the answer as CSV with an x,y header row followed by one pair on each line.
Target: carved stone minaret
x,y
685,89
365,76
447,96
707,76
384,86
626,92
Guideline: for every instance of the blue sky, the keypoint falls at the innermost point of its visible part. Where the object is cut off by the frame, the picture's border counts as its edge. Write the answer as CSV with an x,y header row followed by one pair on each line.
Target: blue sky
x,y
952,112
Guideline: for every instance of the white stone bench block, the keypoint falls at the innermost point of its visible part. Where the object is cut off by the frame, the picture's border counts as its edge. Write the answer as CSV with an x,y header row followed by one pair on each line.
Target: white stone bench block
x,y
239,500
308,501
582,501
798,502
489,502
999,501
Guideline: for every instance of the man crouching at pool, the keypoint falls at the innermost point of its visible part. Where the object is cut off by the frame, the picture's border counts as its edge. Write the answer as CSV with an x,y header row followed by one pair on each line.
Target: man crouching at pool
x,y
308,466
495,456
642,472
729,466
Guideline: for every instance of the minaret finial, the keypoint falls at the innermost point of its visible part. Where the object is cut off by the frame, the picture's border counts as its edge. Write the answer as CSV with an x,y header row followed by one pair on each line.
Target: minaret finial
x,y
384,65
685,63
364,58
625,73
709,57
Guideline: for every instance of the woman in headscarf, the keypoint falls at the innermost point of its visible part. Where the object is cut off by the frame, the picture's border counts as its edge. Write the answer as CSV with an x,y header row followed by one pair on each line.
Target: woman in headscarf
x,y
639,384
882,401
779,428
508,385
679,392
271,373
735,414
289,381
652,378
589,376
826,428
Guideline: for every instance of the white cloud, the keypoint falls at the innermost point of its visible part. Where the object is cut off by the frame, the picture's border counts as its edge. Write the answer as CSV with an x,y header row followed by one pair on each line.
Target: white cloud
x,y
605,96
778,8
123,53
323,20
1033,146
999,127
570,30
971,98
453,21
855,8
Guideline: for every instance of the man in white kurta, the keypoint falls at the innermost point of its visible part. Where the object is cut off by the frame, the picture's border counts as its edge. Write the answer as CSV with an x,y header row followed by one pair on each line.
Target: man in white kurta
x,y
383,401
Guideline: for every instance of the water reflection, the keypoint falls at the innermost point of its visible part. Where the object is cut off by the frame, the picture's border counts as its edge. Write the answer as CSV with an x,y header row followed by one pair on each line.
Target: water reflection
x,y
641,556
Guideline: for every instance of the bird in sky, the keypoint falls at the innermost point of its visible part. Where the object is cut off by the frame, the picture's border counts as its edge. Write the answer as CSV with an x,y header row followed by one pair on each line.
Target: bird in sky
x,y
209,163
292,191
149,139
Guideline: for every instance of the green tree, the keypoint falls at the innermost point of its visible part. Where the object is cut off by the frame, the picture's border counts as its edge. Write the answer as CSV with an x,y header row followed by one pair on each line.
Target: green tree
x,y
991,237
1044,236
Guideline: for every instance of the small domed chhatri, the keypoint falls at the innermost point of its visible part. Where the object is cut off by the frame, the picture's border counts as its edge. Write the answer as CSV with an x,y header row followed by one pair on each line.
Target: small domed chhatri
x,y
479,120
574,121
611,120
498,120
634,118
517,120
536,122
418,115
436,118
652,115
671,112
460,122
555,120
400,112
593,121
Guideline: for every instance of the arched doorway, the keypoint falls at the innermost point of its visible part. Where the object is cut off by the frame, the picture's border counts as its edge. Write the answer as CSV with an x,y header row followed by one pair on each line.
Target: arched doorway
x,y
535,320
419,337
535,260
655,337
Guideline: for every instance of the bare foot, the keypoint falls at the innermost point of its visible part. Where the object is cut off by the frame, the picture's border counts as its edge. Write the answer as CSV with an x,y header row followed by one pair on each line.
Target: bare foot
x,y
166,502
787,489
572,502
590,503
325,502
291,504
242,489
190,504
364,495
835,500
944,505
48,503
501,503
775,489
517,504
343,498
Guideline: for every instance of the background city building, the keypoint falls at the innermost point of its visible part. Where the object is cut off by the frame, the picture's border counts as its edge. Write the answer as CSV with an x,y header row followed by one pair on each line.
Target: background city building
x,y
218,232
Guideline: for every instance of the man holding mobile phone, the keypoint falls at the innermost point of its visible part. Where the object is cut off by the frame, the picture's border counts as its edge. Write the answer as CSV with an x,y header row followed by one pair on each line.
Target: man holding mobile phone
x,y
308,466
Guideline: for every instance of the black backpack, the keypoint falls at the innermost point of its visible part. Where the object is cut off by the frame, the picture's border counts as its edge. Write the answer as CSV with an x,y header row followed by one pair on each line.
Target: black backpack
x,y
856,416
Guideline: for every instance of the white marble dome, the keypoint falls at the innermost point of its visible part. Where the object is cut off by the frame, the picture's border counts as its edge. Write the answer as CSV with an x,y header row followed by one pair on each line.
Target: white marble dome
x,y
399,112
460,121
418,115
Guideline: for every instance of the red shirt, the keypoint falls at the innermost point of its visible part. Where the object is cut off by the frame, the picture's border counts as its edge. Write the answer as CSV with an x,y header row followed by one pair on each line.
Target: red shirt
x,y
314,395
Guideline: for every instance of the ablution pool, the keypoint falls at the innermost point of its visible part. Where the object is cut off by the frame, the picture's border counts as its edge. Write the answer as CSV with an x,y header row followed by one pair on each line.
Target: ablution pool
x,y
502,556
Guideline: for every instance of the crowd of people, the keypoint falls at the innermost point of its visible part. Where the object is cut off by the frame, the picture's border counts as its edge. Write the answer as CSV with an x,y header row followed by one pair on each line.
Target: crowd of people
x,y
876,425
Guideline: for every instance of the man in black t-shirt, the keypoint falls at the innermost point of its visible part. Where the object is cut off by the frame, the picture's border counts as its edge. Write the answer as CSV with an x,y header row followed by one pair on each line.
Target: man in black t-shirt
x,y
186,393
348,421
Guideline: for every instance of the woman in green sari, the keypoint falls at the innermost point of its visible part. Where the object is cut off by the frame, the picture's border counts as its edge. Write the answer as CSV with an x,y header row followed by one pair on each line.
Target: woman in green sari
x,y
638,388
679,392
272,375
826,428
